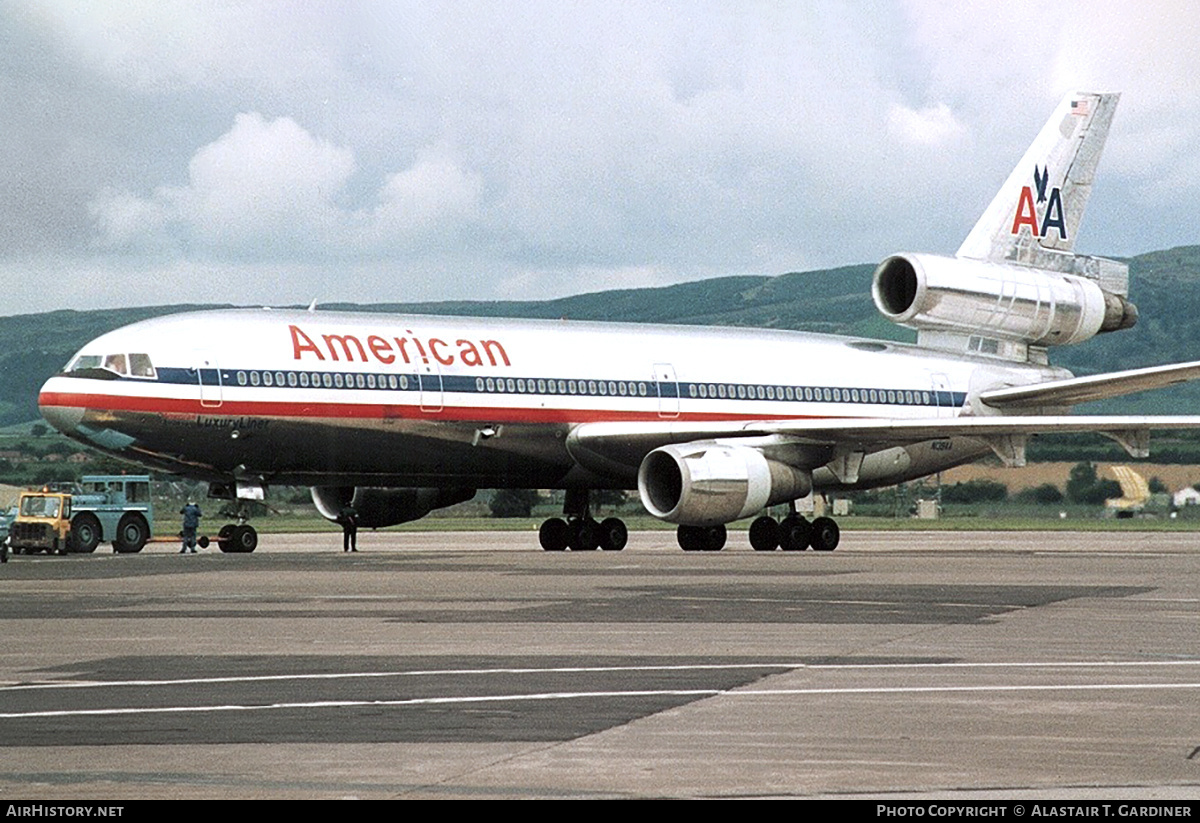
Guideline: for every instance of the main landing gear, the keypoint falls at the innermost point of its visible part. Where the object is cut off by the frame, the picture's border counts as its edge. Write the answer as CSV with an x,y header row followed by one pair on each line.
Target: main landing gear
x,y
578,531
701,538
794,534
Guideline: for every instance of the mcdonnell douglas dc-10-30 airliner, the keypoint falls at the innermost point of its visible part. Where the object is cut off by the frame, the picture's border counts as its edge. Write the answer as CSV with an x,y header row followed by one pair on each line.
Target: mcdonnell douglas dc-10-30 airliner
x,y
400,415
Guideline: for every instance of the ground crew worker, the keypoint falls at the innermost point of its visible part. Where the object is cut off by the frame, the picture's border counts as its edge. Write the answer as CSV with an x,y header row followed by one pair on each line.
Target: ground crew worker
x,y
348,517
191,521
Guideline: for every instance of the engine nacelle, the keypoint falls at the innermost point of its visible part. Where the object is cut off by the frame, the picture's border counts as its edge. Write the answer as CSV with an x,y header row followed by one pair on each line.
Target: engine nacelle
x,y
380,507
1009,302
707,483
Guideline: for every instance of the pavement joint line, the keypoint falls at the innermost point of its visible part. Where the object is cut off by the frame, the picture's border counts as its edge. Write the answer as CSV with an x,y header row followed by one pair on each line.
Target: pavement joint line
x,y
781,665
545,696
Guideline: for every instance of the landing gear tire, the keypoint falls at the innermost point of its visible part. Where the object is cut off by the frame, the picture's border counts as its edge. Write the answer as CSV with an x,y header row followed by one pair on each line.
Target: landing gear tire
x,y
225,538
764,534
243,539
85,534
825,534
795,534
132,534
701,538
585,535
613,534
554,535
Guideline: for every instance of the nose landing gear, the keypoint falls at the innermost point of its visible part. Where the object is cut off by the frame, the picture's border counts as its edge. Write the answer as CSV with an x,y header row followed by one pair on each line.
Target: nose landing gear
x,y
237,538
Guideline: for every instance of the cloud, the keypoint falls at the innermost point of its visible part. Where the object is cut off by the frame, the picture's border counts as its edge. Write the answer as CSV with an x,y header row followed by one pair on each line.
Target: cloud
x,y
167,46
431,194
268,189
931,126
535,149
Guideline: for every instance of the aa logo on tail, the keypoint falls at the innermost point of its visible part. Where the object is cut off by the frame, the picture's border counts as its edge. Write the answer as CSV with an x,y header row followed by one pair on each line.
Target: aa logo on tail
x,y
1046,214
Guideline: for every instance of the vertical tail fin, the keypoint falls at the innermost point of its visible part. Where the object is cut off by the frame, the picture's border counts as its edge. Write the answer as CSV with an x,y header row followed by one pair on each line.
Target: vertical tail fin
x,y
1040,206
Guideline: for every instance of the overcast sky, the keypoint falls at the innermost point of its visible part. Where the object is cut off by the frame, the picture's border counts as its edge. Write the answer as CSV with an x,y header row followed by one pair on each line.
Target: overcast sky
x,y
273,153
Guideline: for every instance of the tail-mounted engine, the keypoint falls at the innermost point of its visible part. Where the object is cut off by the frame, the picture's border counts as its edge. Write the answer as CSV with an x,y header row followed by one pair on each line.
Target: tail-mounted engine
x,y
707,483
999,301
380,507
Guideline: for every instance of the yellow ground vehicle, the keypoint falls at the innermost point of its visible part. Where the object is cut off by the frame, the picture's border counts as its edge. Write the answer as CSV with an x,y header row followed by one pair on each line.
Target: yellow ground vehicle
x,y
43,523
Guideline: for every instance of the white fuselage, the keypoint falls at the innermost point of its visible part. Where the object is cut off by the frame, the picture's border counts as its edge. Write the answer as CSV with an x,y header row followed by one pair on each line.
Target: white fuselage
x,y
328,397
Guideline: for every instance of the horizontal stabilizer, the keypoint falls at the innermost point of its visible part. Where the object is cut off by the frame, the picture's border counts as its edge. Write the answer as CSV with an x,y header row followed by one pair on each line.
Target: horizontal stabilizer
x,y
1096,387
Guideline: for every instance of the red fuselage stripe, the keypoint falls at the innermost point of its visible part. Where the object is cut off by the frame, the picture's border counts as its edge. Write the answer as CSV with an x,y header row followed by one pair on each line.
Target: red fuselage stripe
x,y
378,411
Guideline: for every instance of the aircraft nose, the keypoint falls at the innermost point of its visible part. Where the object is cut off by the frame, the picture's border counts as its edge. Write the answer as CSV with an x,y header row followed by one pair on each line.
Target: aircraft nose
x,y
62,416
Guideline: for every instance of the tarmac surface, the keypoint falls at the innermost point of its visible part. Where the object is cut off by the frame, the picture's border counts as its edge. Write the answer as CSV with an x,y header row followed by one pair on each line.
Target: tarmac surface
x,y
908,665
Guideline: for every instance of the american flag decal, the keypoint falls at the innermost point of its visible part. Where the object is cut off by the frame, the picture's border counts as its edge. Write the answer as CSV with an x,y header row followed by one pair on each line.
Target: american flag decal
x,y
1079,107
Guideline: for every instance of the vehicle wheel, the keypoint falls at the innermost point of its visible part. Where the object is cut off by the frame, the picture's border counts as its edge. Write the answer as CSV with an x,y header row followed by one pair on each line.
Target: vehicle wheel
x,y
764,534
203,541
613,534
3,552
795,533
585,535
132,534
825,534
554,534
225,538
244,539
85,533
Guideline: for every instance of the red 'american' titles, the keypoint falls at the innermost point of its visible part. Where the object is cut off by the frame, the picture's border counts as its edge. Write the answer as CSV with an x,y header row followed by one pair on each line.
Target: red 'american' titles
x,y
350,348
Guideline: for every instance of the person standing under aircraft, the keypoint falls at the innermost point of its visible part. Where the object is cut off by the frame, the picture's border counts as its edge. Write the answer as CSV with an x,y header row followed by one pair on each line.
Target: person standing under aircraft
x,y
348,517
191,521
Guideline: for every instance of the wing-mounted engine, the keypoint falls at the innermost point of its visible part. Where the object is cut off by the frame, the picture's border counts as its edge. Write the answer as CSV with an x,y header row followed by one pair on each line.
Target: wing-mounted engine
x,y
380,507
708,483
1004,302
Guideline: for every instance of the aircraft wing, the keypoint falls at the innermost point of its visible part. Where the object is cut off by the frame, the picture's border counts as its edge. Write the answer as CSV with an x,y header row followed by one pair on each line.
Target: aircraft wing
x,y
1096,387
625,444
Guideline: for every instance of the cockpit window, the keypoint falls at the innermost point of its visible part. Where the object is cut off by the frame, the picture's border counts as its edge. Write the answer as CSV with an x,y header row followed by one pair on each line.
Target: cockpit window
x,y
137,364
140,365
84,361
116,363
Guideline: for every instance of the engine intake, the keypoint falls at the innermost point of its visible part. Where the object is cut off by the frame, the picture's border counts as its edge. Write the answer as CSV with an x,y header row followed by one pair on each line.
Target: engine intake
x,y
380,507
1002,301
707,483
